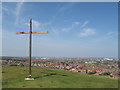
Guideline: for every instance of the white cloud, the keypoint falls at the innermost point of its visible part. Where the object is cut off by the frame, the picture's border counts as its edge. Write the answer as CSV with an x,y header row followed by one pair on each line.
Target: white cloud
x,y
47,23
66,6
73,25
77,23
26,24
66,29
87,32
55,31
8,10
84,24
112,33
18,10
4,8
36,25
14,11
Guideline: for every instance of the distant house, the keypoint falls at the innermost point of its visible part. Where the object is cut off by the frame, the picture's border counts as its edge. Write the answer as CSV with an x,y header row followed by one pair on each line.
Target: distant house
x,y
115,75
83,71
108,59
74,70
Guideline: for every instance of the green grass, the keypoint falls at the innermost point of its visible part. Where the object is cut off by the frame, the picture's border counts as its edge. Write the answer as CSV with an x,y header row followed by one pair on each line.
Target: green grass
x,y
14,77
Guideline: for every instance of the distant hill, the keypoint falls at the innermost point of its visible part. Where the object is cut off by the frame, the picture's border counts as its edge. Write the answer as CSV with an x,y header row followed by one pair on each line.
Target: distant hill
x,y
14,77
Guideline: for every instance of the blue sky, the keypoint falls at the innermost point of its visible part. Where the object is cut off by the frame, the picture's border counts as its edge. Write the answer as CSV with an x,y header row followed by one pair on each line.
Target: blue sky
x,y
76,29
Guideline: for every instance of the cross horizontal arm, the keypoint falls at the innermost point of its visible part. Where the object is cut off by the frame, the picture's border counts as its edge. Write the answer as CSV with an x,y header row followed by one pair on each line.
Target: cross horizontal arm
x,y
32,32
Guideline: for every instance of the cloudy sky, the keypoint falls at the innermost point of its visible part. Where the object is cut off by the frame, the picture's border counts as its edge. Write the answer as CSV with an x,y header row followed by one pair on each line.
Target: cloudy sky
x,y
76,29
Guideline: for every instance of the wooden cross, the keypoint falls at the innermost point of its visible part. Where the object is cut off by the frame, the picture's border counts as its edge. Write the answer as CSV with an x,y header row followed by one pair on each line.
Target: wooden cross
x,y
30,44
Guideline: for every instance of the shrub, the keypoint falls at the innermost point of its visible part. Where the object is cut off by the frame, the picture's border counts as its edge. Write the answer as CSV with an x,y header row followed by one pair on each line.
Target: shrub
x,y
92,72
106,73
13,64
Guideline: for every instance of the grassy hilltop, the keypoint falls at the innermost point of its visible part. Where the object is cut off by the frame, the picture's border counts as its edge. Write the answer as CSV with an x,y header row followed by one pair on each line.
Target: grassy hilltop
x,y
14,77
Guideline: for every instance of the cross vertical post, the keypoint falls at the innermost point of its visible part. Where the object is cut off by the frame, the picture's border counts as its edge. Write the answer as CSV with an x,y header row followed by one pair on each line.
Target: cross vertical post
x,y
30,48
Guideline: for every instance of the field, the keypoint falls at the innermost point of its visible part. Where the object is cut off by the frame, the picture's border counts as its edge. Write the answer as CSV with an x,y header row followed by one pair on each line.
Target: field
x,y
14,77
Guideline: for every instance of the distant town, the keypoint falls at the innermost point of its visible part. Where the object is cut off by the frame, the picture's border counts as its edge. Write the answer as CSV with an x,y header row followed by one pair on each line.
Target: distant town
x,y
94,66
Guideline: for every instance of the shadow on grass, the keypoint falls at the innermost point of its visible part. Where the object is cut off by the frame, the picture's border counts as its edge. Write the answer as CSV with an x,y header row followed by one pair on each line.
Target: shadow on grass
x,y
3,71
51,74
63,75
36,77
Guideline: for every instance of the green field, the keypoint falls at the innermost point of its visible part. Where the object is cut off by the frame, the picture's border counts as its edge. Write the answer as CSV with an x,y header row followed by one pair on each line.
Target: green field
x,y
14,77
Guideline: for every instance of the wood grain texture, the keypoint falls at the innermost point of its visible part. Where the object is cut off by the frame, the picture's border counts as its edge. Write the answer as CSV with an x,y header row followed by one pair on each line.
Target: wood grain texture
x,y
32,32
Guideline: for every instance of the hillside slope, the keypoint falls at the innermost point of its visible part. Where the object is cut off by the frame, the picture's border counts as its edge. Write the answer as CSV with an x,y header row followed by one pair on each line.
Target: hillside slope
x,y
14,77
